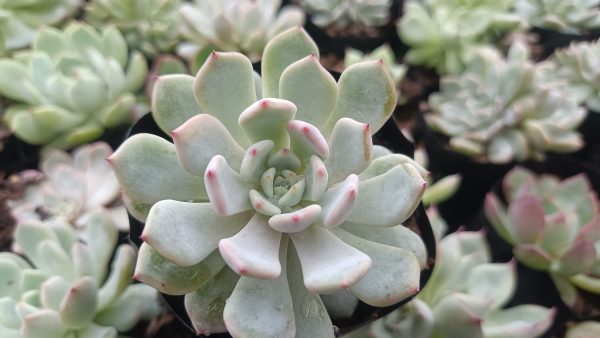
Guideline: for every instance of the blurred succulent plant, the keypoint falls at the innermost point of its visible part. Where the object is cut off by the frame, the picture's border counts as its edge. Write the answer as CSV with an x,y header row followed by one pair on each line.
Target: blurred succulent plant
x,y
576,70
566,16
242,26
150,26
71,85
72,188
553,225
442,34
247,175
384,53
464,298
341,14
587,329
61,288
20,20
499,110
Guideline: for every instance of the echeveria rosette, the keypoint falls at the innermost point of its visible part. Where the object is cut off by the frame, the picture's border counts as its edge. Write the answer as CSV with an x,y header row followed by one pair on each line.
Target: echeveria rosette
x,y
253,198
342,14
242,26
71,85
442,34
73,187
553,225
61,287
465,297
20,20
150,26
501,109
566,16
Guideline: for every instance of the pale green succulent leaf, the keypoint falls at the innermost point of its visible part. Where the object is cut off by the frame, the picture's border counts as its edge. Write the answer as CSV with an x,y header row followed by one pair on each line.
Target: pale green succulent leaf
x,y
78,307
129,308
306,140
522,321
527,218
227,193
173,101
532,256
96,331
170,278
578,259
494,282
9,318
384,163
51,41
119,278
254,162
200,138
43,323
583,329
350,149
83,261
169,219
102,236
53,291
89,93
441,190
497,214
312,89
32,279
136,73
53,259
114,45
316,179
267,119
459,315
295,221
15,82
26,127
338,201
10,279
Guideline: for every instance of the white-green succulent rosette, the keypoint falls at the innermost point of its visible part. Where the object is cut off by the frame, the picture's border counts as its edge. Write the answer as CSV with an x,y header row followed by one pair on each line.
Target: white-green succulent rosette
x,y
150,26
270,195
61,287
242,26
71,85
465,297
20,20
565,16
442,34
339,14
501,109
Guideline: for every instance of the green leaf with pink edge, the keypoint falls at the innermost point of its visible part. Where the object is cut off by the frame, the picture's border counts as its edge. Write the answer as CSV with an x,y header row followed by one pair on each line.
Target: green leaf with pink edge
x,y
173,101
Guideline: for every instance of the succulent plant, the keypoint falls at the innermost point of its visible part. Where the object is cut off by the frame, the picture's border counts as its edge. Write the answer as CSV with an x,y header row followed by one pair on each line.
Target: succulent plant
x,y
585,329
566,16
71,85
384,53
62,288
575,69
280,190
20,20
441,34
340,14
150,26
234,25
553,225
72,188
499,110
464,298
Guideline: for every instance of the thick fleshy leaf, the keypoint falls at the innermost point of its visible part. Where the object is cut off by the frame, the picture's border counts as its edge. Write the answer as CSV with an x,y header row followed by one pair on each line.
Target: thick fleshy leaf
x,y
83,261
497,215
515,180
53,259
293,196
119,278
522,321
196,227
284,159
584,329
96,331
306,140
328,263
351,149
262,205
254,251
224,87
532,256
173,101
367,95
527,218
267,119
261,308
459,315
282,51
78,308
297,220
202,137
388,199
9,318
102,236
316,179
340,304
227,193
170,278
312,318
384,163
337,203
312,89
129,308
148,171
53,291
578,259
205,306
393,276
43,323
10,279
254,163
495,282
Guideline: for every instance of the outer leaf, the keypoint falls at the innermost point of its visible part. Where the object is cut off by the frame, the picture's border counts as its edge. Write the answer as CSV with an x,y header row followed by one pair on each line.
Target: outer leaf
x,y
495,282
523,321
351,149
119,278
78,308
173,101
43,323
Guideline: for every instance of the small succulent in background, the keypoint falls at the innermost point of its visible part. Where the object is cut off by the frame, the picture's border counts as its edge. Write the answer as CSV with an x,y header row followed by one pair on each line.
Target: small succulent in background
x,y
63,289
242,26
566,16
553,225
464,298
71,85
587,329
275,200
72,188
150,26
576,70
384,53
442,34
500,110
343,14
20,20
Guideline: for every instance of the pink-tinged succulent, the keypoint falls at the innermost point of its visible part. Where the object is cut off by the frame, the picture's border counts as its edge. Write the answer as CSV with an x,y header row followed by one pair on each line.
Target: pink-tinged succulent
x,y
73,186
261,205
465,298
553,225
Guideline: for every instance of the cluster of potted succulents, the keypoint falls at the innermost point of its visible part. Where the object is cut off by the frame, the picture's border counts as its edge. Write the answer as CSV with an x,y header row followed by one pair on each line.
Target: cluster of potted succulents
x,y
258,156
